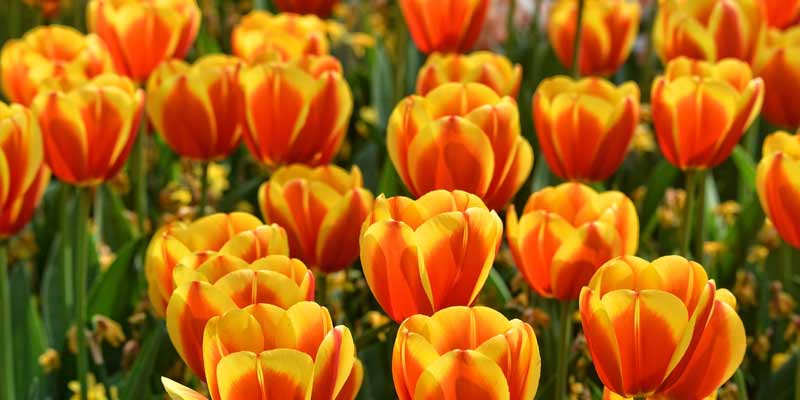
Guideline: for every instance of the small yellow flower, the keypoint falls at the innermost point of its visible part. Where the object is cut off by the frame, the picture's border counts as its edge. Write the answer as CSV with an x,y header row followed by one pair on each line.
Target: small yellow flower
x,y
217,179
96,390
778,359
713,249
643,141
758,254
50,361
729,210
745,288
106,329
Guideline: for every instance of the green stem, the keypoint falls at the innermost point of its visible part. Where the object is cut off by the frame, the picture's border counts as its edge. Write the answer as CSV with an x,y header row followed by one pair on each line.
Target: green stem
x,y
322,288
700,212
688,215
67,237
139,177
82,267
203,189
576,49
563,352
741,383
7,375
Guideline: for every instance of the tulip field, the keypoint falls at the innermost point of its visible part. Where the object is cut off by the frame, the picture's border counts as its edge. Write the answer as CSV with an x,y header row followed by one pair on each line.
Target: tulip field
x,y
399,199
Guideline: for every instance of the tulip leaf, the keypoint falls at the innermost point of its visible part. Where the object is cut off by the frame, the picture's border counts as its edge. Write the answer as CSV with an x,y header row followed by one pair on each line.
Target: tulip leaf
x,y
137,383
382,87
112,293
747,172
114,229
244,191
738,238
377,360
56,302
662,177
28,336
498,284
782,383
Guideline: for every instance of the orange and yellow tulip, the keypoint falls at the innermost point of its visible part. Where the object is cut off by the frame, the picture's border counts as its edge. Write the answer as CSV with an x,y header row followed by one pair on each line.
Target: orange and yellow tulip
x,y
778,184
609,29
694,339
198,109
490,69
210,287
23,173
237,234
261,36
320,8
609,395
322,209
89,131
585,127
50,57
709,30
296,112
782,14
264,350
465,353
566,233
444,25
701,110
460,137
778,63
420,256
142,34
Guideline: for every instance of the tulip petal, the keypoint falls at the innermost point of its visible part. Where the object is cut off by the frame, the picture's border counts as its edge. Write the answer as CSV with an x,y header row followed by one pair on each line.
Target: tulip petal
x,y
337,242
275,374
333,363
176,391
462,374
580,255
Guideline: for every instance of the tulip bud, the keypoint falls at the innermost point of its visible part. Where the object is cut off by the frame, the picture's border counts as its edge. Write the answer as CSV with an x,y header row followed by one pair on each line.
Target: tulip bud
x,y
140,35
778,63
89,131
566,233
701,110
198,109
462,352
444,25
695,340
322,208
609,29
782,14
50,57
778,184
296,112
420,256
320,8
23,173
261,36
709,30
460,137
585,127
490,69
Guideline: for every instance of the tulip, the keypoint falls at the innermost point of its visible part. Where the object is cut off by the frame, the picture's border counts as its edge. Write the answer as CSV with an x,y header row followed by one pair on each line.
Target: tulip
x,y
237,234
296,112
322,208
49,8
198,109
420,256
490,69
709,30
465,353
261,36
782,14
460,137
142,34
608,32
263,350
566,233
444,25
23,173
778,63
694,339
320,8
88,132
701,110
211,288
609,395
585,127
778,183
50,57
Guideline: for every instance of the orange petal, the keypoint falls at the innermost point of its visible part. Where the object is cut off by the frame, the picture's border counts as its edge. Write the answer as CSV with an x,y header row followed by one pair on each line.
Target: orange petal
x,y
275,374
462,374
333,363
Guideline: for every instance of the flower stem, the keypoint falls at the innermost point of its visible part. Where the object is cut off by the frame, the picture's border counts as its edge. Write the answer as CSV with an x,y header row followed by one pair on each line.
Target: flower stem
x,y
688,215
140,177
7,376
81,273
563,351
700,212
576,49
203,190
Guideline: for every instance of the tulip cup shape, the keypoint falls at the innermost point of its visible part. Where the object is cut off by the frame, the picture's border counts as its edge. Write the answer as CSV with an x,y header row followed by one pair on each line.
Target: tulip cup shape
x,y
566,233
460,137
23,173
296,112
142,34
89,131
322,209
261,36
50,57
320,8
198,109
609,395
450,26
585,127
778,63
287,354
465,353
493,70
782,14
238,234
420,256
210,286
701,110
609,29
778,184
709,30
661,329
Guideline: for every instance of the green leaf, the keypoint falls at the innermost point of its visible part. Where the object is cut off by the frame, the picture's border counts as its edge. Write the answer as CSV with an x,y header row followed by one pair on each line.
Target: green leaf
x,y
28,337
113,292
56,295
740,236
377,361
389,183
114,229
382,87
747,172
662,177
136,385
244,191
497,283
782,383
205,43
